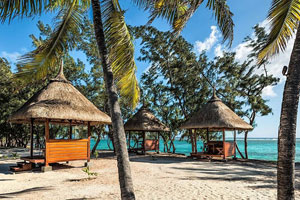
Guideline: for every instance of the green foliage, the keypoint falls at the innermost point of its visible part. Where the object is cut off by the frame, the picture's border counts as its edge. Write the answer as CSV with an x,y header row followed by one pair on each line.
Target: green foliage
x,y
14,93
96,154
12,96
89,173
176,84
15,155
172,86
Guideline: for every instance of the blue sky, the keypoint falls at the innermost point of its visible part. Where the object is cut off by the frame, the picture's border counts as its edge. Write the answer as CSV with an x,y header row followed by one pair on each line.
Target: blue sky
x,y
199,31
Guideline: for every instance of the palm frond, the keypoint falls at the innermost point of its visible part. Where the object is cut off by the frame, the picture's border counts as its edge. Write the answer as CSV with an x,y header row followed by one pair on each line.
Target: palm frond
x,y
178,12
9,9
144,4
284,17
37,64
223,15
121,51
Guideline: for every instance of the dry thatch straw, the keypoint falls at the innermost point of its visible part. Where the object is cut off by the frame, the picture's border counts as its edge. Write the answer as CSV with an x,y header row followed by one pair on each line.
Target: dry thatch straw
x,y
144,120
215,115
60,102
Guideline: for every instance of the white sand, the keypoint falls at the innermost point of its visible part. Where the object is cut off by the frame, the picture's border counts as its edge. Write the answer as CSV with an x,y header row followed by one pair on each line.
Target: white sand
x,y
154,178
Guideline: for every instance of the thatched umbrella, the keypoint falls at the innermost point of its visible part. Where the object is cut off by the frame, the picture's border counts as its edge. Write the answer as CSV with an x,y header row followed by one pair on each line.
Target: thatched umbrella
x,y
61,103
145,121
215,115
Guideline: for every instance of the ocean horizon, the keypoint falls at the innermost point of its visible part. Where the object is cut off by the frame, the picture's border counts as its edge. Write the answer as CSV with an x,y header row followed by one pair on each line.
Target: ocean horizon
x,y
258,148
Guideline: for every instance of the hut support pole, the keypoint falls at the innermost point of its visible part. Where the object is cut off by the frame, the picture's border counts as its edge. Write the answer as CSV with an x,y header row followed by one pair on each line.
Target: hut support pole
x,y
234,138
129,137
207,135
192,140
157,142
144,142
195,140
47,139
31,137
70,130
224,156
89,142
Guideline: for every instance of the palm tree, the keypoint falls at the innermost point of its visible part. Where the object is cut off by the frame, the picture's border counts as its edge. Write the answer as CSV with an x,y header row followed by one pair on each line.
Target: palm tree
x,y
284,17
114,45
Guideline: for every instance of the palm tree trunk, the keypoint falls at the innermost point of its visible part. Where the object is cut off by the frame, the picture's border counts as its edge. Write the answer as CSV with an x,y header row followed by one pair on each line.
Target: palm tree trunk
x,y
287,128
246,144
126,185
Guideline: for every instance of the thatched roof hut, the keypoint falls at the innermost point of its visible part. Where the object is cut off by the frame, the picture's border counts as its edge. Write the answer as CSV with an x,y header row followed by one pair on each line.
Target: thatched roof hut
x,y
62,103
216,115
144,120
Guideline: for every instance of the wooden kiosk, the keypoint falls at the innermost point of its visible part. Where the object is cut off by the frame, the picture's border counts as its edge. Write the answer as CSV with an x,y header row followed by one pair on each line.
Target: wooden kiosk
x,y
215,116
144,121
59,102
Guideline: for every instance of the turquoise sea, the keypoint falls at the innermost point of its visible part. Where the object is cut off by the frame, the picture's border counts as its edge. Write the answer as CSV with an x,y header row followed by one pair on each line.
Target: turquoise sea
x,y
258,148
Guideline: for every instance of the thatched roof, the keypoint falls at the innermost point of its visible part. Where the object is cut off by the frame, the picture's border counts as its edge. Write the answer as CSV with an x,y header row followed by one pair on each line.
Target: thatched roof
x,y
144,120
60,102
215,115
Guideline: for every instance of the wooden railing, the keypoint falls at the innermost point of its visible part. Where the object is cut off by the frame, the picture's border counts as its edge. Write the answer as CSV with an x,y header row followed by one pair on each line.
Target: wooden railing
x,y
67,150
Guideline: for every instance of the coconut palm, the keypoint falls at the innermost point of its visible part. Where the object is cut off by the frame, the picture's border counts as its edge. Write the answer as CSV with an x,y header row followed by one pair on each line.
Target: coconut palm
x,y
284,17
114,45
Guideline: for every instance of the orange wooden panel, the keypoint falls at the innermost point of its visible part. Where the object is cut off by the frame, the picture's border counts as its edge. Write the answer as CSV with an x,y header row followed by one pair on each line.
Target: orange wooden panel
x,y
229,149
151,145
67,150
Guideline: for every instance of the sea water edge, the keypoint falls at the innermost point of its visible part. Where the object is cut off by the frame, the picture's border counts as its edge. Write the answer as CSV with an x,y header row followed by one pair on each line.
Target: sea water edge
x,y
258,148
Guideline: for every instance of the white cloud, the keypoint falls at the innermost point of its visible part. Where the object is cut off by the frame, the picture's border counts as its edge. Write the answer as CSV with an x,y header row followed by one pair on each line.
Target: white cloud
x,y
268,92
242,51
24,50
282,59
276,63
11,57
208,42
218,50
265,24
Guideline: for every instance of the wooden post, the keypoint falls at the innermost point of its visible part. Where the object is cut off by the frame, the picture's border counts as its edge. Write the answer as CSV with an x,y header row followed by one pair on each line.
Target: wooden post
x,y
224,143
234,141
158,142
89,142
31,137
129,137
70,130
207,135
37,140
144,141
195,140
47,139
192,141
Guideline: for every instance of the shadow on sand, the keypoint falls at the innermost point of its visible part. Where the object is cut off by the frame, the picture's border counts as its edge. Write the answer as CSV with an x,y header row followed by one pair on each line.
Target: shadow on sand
x,y
260,173
15,194
4,168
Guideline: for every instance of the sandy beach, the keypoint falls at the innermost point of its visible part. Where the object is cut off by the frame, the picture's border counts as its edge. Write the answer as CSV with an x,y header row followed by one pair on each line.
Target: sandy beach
x,y
154,177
